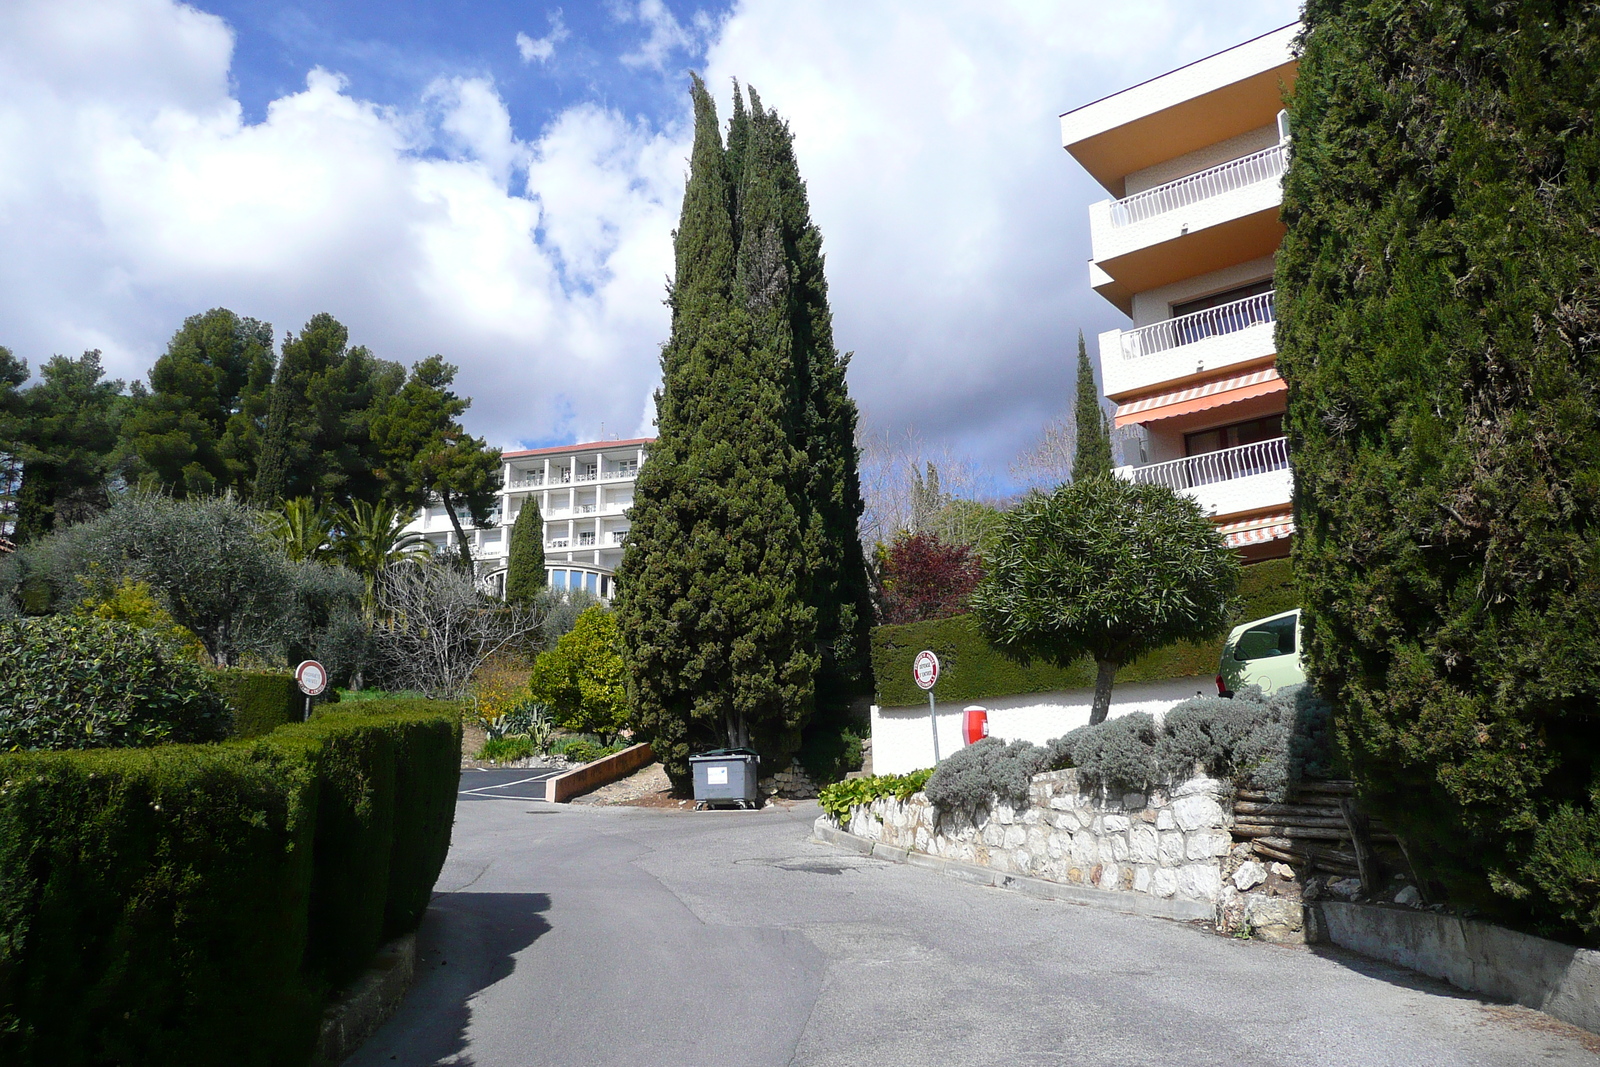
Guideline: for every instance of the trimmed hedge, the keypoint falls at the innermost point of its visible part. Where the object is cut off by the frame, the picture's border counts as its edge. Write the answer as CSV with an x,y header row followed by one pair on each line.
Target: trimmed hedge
x,y
973,669
196,905
261,701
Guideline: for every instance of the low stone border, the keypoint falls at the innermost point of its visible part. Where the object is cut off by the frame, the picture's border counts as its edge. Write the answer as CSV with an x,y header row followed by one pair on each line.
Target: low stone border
x,y
564,787
366,1005
1130,903
1479,957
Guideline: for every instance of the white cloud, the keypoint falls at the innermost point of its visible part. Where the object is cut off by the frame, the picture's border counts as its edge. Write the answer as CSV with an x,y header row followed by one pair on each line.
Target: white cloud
x,y
667,34
133,193
543,48
137,195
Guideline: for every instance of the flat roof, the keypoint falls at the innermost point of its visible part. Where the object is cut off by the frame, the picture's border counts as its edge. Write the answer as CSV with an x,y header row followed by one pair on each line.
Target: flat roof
x,y
1221,96
586,446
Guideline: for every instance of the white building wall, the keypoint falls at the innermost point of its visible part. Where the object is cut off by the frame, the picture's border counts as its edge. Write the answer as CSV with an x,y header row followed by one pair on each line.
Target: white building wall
x,y
902,739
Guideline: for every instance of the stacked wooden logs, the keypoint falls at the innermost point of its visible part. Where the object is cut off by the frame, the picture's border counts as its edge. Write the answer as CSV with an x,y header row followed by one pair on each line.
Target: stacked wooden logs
x,y
1316,829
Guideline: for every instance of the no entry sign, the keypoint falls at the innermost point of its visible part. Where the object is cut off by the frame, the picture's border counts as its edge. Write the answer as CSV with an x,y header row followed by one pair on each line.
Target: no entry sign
x,y
312,677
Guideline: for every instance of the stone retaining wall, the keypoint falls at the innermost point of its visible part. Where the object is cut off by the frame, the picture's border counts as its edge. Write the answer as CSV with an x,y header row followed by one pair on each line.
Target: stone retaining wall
x,y
1165,844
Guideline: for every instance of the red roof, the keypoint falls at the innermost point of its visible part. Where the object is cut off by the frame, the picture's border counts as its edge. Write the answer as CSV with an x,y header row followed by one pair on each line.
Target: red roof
x,y
599,446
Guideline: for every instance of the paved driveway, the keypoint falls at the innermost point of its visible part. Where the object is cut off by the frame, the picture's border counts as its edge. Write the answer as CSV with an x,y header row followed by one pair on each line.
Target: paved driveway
x,y
649,938
506,783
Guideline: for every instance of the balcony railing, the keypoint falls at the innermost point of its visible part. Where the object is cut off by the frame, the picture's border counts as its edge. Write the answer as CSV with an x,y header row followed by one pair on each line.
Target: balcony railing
x,y
1266,165
585,539
619,537
1261,457
562,543
1187,329
586,509
529,482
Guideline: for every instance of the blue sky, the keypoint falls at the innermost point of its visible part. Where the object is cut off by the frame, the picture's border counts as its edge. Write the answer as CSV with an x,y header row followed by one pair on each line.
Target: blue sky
x,y
391,52
498,183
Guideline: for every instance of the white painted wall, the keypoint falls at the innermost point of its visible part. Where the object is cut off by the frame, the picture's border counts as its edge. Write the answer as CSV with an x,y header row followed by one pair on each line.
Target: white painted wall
x,y
902,740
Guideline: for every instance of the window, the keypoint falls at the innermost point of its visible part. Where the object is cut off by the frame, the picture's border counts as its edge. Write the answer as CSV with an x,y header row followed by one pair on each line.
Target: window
x,y
591,582
1275,637
1240,433
558,579
1205,303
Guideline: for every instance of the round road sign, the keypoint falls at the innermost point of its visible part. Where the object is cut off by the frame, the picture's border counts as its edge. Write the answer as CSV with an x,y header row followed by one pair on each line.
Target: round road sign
x,y
312,677
925,669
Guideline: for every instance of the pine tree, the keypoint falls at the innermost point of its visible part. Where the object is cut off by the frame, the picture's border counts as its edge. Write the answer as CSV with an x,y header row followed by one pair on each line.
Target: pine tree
x,y
66,437
525,575
196,430
1092,456
712,592
317,440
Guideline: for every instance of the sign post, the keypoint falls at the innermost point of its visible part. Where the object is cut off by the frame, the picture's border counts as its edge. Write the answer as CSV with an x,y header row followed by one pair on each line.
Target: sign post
x,y
925,672
312,678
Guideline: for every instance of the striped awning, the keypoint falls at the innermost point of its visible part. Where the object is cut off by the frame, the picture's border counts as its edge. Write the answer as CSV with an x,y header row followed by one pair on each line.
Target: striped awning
x,y
1257,530
1201,396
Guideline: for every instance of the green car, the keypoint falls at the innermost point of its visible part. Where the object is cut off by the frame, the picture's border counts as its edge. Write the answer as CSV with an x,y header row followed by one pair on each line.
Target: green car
x,y
1265,652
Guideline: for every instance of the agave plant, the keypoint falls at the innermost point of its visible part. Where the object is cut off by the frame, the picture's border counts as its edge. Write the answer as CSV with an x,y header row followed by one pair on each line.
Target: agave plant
x,y
303,528
370,538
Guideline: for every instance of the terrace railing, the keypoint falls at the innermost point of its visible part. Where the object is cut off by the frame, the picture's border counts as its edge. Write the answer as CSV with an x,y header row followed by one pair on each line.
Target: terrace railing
x,y
1187,329
1265,165
1259,457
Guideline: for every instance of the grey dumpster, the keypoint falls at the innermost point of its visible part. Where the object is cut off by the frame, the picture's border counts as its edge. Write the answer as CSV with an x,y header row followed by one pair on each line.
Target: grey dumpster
x,y
725,776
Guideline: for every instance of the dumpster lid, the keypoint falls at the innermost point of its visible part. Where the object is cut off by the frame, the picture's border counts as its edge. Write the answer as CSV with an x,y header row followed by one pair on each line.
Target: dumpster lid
x,y
720,753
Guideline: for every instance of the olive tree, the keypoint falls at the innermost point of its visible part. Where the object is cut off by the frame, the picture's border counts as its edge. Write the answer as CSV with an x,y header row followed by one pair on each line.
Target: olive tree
x,y
1105,568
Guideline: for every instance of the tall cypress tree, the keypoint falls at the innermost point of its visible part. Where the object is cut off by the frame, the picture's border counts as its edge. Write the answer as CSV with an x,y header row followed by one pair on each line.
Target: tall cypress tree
x,y
1091,455
825,431
713,593
525,574
1439,331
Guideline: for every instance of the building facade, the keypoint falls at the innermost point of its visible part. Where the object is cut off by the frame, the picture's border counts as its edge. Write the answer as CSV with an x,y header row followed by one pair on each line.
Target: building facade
x,y
1185,247
583,492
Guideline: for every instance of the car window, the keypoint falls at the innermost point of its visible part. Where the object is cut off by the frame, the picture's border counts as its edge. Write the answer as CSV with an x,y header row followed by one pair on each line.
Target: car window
x,y
1272,638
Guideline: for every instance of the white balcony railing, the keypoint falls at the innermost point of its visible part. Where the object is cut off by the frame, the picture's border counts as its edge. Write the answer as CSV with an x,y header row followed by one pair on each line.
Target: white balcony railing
x,y
1261,457
1187,329
585,539
619,537
1266,165
530,482
562,543
586,509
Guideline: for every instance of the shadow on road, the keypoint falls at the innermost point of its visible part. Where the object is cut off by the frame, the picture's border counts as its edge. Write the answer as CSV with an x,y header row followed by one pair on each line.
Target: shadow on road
x,y
484,932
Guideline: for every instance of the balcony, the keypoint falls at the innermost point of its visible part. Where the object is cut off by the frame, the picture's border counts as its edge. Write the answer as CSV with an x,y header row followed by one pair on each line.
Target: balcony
x,y
619,537
1212,219
585,539
1173,349
586,509
1227,482
559,543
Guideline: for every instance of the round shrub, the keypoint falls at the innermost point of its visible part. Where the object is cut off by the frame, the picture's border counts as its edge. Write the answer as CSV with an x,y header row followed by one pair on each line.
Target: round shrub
x,y
972,776
1118,753
70,683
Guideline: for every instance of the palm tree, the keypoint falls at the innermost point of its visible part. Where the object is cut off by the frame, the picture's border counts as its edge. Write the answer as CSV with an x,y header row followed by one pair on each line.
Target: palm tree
x,y
370,538
304,530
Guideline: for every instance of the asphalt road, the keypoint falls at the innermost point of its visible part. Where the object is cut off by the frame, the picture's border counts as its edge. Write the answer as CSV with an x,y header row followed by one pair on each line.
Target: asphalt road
x,y
506,783
650,938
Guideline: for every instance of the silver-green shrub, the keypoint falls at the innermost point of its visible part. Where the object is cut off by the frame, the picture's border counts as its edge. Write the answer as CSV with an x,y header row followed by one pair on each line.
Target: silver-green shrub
x,y
1118,754
971,777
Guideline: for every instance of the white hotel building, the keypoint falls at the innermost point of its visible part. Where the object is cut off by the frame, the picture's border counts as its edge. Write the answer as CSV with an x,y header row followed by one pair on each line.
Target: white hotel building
x,y
1194,162
583,492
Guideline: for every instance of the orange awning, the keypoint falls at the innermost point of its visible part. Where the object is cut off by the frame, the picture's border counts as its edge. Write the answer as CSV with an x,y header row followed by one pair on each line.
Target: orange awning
x,y
1255,531
1199,397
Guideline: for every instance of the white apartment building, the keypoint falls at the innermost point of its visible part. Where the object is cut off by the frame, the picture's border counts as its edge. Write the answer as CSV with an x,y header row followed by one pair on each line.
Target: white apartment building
x,y
1185,246
583,492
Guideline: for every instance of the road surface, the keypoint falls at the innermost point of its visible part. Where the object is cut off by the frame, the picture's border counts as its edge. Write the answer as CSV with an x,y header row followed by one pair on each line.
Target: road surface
x,y
650,938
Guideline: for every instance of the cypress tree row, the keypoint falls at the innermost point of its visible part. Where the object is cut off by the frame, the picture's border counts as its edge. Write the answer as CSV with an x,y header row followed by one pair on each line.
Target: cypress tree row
x,y
1439,330
525,560
1091,453
737,601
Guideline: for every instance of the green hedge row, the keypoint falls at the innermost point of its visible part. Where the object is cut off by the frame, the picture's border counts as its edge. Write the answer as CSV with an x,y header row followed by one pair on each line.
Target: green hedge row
x,y
197,904
261,701
973,669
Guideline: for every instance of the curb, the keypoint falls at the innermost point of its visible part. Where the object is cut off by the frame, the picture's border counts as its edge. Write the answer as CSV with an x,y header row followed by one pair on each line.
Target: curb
x,y
368,1003
1127,903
